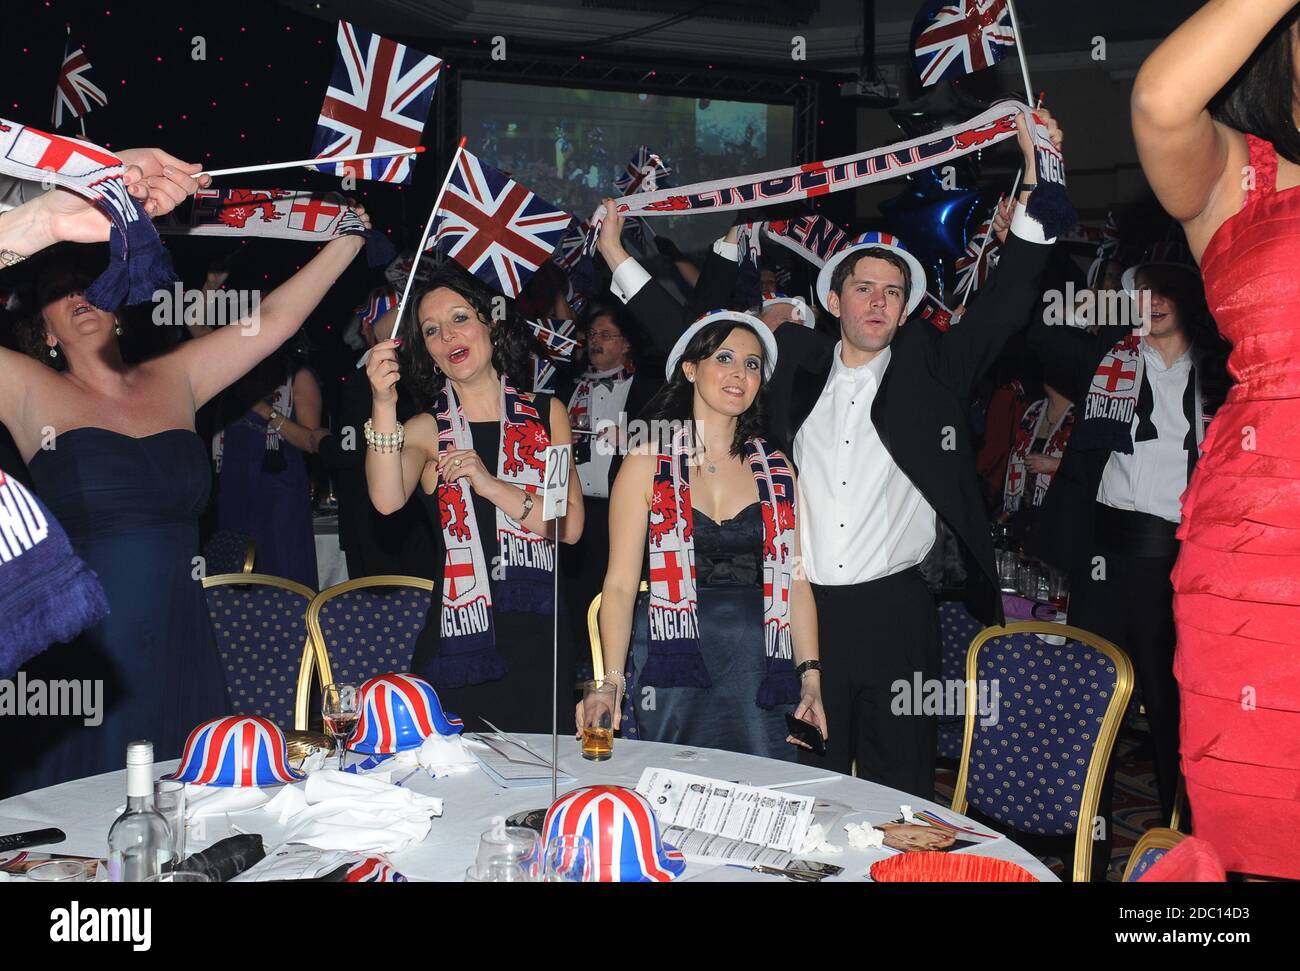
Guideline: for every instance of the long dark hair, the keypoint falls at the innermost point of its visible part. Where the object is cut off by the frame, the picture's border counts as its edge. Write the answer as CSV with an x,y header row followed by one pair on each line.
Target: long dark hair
x,y
673,402
1260,98
512,341
1183,286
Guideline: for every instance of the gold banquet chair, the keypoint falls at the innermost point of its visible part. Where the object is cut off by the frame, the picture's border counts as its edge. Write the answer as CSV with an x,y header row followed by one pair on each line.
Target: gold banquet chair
x,y
1154,844
593,634
1040,768
368,626
266,655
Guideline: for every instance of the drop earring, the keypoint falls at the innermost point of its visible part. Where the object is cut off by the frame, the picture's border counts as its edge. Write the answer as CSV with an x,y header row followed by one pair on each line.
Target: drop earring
x,y
54,351
118,330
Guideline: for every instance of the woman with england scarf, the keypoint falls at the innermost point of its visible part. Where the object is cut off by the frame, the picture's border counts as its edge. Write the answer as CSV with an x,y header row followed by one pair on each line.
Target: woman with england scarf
x,y
477,454
724,643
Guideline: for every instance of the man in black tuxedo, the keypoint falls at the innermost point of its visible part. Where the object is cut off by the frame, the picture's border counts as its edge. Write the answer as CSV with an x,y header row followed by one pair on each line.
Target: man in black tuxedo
x,y
877,425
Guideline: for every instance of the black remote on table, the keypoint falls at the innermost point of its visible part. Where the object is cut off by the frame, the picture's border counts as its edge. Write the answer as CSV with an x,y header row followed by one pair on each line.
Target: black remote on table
x,y
36,837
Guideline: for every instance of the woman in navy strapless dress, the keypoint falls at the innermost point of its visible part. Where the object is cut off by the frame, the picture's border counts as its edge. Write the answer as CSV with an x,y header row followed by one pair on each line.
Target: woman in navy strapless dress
x,y
112,452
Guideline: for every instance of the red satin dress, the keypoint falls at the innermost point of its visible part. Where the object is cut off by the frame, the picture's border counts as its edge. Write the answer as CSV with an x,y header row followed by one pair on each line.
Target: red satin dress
x,y
1237,579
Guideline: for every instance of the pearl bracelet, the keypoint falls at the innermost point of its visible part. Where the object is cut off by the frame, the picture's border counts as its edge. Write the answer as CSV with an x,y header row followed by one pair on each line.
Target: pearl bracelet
x,y
384,442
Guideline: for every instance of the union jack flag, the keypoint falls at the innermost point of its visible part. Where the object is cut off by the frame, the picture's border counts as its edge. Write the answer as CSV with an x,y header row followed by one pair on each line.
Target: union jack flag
x,y
962,38
557,337
934,310
980,259
494,227
644,172
1107,249
380,301
75,91
373,869
377,99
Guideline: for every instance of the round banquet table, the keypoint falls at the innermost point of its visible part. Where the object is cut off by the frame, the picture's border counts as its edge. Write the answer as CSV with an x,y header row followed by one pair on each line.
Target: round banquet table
x,y
84,809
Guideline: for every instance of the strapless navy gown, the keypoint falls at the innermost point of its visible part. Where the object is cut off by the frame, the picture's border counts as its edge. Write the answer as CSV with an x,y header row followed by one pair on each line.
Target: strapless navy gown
x,y
729,606
130,507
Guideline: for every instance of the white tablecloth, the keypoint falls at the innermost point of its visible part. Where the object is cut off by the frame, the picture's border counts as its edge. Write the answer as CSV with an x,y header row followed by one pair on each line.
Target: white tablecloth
x,y
86,808
331,562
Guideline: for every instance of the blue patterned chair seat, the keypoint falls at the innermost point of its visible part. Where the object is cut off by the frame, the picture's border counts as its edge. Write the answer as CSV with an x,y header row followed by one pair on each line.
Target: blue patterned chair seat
x,y
261,633
372,630
958,628
1028,770
225,552
1145,862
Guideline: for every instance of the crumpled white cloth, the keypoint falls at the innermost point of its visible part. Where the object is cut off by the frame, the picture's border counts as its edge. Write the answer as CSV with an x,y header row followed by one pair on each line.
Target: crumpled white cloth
x,y
439,755
201,801
864,836
363,813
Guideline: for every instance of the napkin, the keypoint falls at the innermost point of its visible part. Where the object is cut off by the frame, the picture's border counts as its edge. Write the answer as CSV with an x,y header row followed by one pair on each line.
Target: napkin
x,y
439,755
201,801
341,811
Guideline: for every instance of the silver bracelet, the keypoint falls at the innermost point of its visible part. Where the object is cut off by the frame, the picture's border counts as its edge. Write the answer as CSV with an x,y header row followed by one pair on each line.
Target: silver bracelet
x,y
384,442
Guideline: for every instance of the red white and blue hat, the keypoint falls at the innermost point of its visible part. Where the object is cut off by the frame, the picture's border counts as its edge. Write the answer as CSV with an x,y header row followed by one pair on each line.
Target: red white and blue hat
x,y
398,712
802,312
237,752
624,834
917,283
761,329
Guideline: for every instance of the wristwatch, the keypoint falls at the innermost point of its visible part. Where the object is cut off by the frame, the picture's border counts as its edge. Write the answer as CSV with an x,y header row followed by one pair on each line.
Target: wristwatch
x,y
528,506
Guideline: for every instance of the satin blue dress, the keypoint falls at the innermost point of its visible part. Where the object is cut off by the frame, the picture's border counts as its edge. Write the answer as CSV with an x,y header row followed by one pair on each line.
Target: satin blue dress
x,y
130,507
729,607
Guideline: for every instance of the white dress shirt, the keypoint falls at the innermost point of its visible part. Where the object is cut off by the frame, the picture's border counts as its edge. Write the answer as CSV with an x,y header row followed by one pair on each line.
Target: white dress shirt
x,y
606,405
1152,479
630,276
860,516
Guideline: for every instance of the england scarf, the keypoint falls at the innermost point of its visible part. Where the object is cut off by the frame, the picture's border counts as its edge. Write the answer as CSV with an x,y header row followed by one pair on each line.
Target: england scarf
x,y
47,594
674,650
138,264
1027,432
1049,205
467,651
815,238
1120,392
275,214
580,405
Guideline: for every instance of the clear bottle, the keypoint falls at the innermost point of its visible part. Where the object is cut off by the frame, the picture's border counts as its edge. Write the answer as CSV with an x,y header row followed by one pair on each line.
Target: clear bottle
x,y
139,841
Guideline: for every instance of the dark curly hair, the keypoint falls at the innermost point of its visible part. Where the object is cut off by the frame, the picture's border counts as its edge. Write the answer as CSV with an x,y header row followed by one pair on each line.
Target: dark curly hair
x,y
512,340
673,403
1259,99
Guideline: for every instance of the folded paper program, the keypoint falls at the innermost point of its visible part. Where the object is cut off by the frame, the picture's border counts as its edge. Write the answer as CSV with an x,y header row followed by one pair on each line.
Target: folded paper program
x,y
362,813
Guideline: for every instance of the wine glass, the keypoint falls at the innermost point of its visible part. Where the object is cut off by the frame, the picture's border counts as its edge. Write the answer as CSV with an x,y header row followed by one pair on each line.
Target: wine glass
x,y
516,845
568,860
340,709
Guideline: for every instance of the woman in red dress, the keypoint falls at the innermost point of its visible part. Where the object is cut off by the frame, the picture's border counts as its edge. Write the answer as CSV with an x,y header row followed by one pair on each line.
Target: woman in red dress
x,y
1214,115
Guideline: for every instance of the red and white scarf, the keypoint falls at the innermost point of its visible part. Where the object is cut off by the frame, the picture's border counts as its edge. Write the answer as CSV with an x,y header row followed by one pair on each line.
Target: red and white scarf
x,y
674,652
138,264
525,569
1026,434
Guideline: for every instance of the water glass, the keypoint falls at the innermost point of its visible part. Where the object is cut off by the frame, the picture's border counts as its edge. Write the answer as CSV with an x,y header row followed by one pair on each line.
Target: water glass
x,y
568,860
178,876
169,803
498,871
58,871
517,846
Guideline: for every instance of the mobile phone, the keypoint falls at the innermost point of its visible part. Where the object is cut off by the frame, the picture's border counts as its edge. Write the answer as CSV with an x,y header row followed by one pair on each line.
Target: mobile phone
x,y
807,733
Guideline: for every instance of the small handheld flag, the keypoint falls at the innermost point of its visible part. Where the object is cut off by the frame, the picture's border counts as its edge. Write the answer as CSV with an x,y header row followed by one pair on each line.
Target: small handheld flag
x,y
76,92
959,37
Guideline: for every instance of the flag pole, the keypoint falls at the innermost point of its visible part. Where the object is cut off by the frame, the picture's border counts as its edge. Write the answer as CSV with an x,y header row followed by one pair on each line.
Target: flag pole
x,y
419,250
1020,52
272,166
